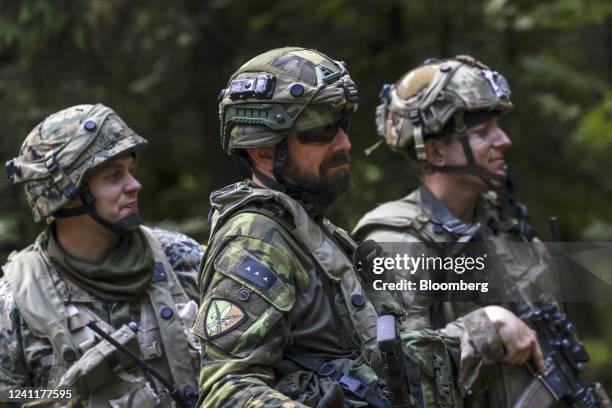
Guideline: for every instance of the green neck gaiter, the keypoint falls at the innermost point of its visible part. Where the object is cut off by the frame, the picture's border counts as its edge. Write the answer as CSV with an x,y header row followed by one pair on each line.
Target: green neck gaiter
x,y
123,275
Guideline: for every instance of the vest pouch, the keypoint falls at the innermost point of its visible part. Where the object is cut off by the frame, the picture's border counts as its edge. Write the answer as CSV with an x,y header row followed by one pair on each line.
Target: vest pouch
x,y
137,397
187,312
126,390
307,388
100,364
437,359
301,386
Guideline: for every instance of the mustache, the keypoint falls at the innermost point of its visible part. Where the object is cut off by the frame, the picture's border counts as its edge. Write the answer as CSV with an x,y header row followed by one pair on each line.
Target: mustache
x,y
335,160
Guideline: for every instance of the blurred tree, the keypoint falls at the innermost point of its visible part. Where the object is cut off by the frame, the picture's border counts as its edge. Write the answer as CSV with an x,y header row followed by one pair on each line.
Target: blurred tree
x,y
161,65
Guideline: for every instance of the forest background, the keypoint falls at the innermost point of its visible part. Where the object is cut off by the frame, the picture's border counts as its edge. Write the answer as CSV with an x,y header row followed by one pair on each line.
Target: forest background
x,y
161,65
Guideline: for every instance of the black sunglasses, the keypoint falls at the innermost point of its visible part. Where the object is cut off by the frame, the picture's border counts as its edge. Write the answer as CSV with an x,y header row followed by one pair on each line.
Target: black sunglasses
x,y
327,133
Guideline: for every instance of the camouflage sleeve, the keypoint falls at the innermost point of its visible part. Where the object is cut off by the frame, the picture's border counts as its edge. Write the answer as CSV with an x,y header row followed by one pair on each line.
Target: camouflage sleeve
x,y
13,372
243,320
480,343
184,255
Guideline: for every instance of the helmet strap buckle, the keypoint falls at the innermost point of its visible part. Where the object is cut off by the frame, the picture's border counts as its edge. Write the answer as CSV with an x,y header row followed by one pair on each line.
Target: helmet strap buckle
x,y
60,179
10,170
419,143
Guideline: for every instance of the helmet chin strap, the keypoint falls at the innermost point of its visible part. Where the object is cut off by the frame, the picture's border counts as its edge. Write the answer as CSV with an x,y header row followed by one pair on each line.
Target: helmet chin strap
x,y
121,228
279,183
471,168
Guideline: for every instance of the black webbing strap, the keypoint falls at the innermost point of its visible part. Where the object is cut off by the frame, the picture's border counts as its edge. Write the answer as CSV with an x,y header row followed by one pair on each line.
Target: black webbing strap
x,y
351,385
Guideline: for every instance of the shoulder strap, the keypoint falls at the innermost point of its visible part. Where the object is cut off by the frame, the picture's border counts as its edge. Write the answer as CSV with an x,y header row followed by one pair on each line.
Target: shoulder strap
x,y
172,331
399,213
39,302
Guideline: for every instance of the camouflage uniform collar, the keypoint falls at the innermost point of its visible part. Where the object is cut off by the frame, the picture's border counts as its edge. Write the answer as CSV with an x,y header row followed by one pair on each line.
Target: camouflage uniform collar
x,y
437,212
239,193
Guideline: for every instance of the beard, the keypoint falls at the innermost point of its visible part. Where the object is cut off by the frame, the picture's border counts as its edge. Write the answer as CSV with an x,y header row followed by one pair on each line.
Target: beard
x,y
324,185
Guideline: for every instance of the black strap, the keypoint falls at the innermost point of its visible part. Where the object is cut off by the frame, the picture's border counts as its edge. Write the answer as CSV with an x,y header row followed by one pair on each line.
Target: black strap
x,y
119,228
351,385
280,156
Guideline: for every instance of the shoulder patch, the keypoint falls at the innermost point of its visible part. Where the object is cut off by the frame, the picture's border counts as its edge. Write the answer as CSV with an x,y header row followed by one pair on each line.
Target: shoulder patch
x,y
222,316
256,272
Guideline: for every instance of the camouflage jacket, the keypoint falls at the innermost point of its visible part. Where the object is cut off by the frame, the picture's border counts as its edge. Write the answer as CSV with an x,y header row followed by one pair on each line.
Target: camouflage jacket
x,y
278,288
415,219
29,361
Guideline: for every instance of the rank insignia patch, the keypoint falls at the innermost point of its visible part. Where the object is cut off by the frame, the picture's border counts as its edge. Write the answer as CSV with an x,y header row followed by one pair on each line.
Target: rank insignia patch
x,y
222,316
256,272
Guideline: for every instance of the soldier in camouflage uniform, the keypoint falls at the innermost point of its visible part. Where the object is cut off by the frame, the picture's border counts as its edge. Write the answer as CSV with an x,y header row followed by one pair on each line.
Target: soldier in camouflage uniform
x,y
95,262
283,319
442,116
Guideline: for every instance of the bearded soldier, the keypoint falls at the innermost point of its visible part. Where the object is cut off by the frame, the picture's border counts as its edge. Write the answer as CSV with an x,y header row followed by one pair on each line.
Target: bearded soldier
x,y
284,319
95,269
443,117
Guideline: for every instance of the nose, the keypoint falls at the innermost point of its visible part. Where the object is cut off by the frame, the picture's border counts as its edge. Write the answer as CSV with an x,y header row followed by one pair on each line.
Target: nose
x,y
341,142
502,140
132,185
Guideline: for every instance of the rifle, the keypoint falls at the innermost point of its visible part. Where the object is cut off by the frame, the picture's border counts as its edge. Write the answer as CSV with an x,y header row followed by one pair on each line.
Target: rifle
x,y
564,356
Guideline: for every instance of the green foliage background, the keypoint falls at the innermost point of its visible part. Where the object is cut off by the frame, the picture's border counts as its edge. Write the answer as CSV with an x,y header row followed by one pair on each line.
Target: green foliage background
x,y
161,64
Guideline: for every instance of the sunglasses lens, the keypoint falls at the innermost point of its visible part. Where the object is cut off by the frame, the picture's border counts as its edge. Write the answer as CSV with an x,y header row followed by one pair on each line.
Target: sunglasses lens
x,y
323,134
327,133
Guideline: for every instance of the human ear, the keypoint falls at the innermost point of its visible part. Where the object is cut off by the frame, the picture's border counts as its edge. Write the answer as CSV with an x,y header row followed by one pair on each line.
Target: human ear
x,y
262,157
74,202
435,152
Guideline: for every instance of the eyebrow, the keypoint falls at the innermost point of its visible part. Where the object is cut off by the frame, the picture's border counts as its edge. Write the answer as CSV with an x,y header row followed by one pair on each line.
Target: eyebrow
x,y
116,166
113,166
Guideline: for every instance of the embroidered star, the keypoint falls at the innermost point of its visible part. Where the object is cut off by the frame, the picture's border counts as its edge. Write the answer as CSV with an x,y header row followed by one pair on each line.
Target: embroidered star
x,y
256,272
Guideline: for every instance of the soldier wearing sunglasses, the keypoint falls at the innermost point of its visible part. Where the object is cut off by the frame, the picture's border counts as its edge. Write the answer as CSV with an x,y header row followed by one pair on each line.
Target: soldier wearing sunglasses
x,y
284,319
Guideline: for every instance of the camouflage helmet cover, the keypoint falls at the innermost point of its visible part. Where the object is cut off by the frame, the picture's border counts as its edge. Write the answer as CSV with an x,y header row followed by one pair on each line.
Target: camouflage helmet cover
x,y
424,101
299,89
58,153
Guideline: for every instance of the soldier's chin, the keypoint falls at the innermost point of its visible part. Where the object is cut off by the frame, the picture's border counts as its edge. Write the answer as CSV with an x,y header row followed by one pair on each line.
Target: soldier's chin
x,y
338,182
129,223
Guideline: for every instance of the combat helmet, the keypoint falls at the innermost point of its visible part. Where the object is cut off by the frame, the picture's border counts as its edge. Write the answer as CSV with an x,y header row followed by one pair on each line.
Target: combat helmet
x,y
59,153
437,99
281,92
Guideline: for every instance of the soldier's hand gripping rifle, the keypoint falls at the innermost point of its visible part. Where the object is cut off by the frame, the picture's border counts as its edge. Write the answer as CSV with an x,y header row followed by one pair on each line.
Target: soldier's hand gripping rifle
x,y
564,357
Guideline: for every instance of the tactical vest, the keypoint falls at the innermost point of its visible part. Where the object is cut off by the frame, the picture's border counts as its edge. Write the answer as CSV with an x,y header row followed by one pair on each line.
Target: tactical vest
x,y
407,215
100,373
330,252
